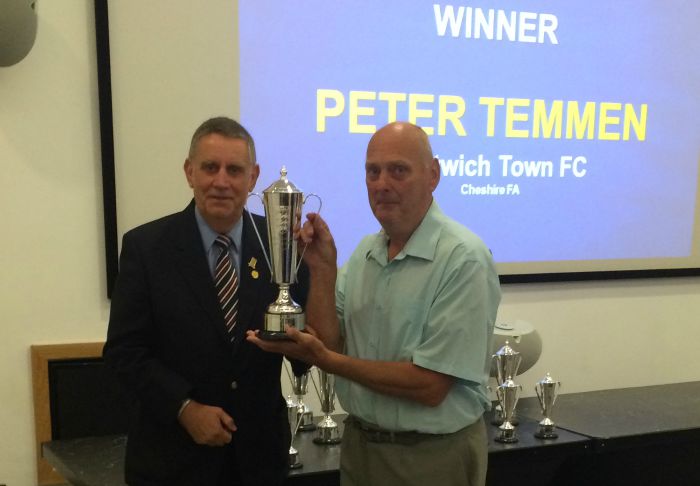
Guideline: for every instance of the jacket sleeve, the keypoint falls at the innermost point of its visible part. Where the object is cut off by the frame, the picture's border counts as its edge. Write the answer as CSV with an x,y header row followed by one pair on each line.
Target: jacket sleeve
x,y
131,336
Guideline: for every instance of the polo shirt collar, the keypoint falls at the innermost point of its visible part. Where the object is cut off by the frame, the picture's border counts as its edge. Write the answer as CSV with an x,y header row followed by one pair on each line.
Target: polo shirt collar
x,y
422,243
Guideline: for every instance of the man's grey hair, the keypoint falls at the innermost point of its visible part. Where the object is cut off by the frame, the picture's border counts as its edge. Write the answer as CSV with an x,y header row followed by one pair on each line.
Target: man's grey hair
x,y
226,127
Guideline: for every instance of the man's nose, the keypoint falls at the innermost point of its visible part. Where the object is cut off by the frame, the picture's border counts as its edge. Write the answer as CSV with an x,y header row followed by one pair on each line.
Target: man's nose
x,y
221,178
382,180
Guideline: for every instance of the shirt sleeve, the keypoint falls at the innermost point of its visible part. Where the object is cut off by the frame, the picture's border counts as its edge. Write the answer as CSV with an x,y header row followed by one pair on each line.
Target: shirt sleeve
x,y
340,298
457,333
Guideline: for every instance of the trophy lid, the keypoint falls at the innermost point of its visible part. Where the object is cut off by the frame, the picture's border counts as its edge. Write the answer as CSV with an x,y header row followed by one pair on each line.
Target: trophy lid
x,y
290,401
282,185
506,350
547,380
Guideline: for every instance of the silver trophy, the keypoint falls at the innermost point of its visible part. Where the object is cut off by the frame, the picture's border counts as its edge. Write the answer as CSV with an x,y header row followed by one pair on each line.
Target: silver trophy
x,y
507,361
547,390
300,384
327,429
508,394
283,204
294,415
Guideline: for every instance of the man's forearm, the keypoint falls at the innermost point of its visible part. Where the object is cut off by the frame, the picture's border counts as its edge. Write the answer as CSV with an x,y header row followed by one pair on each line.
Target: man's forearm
x,y
320,309
399,379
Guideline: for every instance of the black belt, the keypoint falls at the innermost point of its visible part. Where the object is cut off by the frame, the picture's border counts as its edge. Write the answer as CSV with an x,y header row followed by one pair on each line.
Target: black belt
x,y
373,433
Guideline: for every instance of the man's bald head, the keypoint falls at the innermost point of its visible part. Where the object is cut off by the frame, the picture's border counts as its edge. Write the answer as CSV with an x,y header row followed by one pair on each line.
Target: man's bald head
x,y
410,137
401,175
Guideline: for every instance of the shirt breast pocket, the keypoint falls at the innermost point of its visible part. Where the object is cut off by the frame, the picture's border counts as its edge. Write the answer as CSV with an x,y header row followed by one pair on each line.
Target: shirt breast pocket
x,y
402,331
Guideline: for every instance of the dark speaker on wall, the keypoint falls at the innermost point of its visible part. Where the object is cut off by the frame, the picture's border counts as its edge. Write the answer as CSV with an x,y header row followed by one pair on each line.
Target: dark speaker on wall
x,y
17,30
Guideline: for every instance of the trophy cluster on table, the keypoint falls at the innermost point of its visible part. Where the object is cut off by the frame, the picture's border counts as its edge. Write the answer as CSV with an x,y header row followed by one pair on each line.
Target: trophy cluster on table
x,y
283,203
507,361
301,417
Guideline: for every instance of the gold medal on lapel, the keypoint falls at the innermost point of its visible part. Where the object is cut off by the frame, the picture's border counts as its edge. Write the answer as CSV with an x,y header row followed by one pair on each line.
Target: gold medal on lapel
x,y
253,272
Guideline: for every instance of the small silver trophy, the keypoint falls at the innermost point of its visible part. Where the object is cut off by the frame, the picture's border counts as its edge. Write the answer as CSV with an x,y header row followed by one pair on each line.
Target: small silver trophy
x,y
283,204
508,394
547,390
294,415
327,428
507,361
300,384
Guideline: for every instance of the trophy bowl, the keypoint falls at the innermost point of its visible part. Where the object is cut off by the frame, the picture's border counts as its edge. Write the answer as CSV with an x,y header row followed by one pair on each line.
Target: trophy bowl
x,y
294,416
508,394
283,203
300,384
327,429
547,390
506,362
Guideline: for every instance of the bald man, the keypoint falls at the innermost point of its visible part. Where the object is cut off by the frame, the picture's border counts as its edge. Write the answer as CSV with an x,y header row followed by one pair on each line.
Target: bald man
x,y
408,333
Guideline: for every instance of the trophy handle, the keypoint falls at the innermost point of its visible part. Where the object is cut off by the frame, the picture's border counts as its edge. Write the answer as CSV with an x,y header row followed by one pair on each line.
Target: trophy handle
x,y
556,395
300,414
320,205
257,233
313,381
539,398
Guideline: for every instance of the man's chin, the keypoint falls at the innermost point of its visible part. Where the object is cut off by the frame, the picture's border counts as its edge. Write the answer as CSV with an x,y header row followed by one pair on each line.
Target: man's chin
x,y
223,212
220,206
386,207
385,215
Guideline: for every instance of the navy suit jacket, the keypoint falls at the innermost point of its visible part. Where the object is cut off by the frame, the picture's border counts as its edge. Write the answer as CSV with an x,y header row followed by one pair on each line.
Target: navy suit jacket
x,y
167,341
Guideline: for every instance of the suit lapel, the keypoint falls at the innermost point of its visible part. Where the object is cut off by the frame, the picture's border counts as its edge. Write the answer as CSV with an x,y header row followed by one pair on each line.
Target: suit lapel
x,y
255,277
191,260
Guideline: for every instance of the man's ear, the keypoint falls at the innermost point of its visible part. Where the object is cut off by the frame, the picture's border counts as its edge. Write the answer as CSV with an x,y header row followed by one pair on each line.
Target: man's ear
x,y
434,173
254,174
188,168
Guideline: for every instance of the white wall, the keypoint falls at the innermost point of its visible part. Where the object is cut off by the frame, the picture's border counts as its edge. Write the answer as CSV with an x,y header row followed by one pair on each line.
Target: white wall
x,y
613,334
596,335
52,278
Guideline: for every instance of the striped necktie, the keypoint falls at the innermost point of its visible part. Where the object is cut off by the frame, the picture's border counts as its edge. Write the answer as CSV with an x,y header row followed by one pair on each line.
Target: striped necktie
x,y
226,281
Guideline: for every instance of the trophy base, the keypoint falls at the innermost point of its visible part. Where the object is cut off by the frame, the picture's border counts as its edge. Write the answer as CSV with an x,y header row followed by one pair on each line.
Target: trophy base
x,y
507,438
327,435
294,462
273,336
546,432
507,435
307,422
273,329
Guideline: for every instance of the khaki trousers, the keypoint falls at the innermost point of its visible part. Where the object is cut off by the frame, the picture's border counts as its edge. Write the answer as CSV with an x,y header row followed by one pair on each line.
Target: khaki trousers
x,y
370,458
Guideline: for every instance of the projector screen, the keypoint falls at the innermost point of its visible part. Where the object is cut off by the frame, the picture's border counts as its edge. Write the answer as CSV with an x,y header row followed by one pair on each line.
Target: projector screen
x,y
567,132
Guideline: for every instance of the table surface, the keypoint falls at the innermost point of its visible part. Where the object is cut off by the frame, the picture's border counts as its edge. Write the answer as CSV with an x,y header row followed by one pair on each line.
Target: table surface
x,y
625,412
92,461
597,421
317,458
88,461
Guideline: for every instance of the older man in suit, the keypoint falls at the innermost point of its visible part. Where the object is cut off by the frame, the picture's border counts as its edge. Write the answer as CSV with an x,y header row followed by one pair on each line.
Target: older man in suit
x,y
208,405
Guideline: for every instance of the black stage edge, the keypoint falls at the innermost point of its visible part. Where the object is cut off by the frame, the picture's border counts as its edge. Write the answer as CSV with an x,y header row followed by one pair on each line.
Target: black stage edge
x,y
99,461
644,436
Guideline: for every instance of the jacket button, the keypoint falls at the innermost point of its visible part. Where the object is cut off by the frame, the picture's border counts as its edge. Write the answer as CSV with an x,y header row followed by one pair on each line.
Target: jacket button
x,y
234,385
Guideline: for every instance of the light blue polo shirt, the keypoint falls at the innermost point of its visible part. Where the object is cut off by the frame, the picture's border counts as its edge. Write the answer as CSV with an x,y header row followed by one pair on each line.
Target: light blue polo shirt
x,y
434,304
